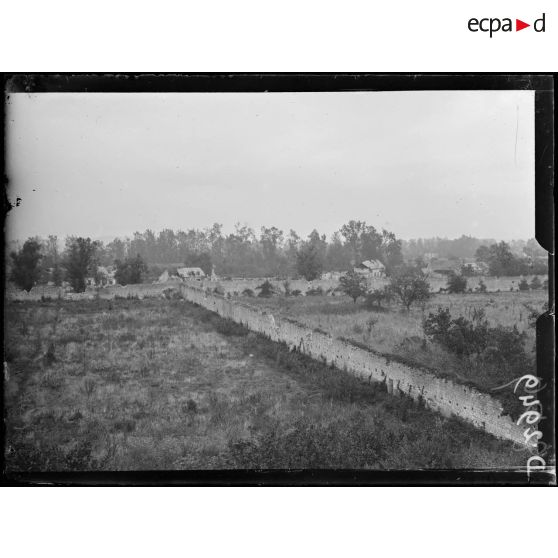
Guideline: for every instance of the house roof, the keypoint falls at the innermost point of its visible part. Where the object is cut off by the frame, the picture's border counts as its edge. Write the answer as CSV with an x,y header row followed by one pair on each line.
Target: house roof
x,y
190,271
444,266
372,264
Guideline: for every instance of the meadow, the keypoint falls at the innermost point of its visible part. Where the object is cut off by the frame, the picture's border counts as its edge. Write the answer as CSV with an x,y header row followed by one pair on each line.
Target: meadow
x,y
391,330
163,384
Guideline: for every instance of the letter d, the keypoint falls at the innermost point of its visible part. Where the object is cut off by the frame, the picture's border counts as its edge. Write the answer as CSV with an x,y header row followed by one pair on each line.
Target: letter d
x,y
542,21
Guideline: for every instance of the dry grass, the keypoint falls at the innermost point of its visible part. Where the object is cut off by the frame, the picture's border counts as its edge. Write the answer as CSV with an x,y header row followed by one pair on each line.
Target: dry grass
x,y
394,331
158,384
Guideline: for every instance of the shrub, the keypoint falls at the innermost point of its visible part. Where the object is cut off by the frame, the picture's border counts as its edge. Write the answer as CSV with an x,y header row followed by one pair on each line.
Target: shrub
x,y
317,291
172,294
375,298
499,347
523,285
457,283
266,289
296,292
287,287
481,288
535,283
228,327
248,292
50,355
191,407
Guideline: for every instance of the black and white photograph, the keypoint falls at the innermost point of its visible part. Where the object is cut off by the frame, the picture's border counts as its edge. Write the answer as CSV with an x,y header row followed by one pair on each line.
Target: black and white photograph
x,y
296,281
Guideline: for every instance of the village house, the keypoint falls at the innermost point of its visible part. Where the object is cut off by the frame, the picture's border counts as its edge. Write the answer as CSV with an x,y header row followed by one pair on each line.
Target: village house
x,y
190,272
167,277
371,268
331,275
472,267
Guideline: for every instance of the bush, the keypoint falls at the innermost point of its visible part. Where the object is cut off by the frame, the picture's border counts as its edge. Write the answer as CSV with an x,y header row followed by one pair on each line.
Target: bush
x,y
457,284
287,287
318,291
499,347
266,289
172,294
535,283
248,292
296,292
523,285
375,298
228,327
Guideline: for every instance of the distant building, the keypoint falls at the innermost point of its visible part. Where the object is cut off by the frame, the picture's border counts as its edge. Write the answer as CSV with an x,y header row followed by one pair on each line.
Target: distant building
x,y
474,268
167,277
371,268
331,275
105,276
164,277
190,272
443,266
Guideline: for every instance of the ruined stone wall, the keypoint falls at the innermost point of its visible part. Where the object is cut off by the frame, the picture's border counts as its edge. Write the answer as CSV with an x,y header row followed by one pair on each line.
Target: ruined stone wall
x,y
143,290
439,394
236,286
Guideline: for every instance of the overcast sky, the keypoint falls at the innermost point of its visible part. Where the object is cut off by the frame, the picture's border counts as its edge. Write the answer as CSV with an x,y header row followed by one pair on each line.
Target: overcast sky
x,y
420,164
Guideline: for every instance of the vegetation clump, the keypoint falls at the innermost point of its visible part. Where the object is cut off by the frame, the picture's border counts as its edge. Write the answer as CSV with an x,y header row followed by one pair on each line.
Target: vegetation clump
x,y
353,284
409,285
501,348
456,284
266,289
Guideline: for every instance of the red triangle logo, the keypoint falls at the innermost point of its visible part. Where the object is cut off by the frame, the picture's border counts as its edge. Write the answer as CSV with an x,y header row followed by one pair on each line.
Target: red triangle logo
x,y
519,25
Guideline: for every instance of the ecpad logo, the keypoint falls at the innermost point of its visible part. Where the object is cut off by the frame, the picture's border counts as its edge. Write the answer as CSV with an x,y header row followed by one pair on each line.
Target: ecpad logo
x,y
493,25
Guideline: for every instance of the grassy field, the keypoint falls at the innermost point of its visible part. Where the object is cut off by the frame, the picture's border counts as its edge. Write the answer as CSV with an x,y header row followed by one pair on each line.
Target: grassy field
x,y
393,331
163,384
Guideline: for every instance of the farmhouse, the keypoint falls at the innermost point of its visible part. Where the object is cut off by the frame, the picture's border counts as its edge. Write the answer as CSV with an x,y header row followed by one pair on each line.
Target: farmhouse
x,y
190,272
371,268
168,277
473,267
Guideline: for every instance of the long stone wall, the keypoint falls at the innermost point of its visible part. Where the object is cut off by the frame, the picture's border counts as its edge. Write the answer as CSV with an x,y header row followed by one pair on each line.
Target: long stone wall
x,y
237,286
439,394
142,290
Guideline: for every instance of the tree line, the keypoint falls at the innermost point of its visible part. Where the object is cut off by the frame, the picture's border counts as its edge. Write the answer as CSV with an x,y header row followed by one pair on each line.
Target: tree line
x,y
465,247
40,262
272,252
241,253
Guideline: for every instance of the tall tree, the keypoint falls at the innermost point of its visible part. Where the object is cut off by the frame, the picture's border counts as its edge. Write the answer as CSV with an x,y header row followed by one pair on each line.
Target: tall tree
x,y
130,271
309,263
363,241
391,251
79,261
501,260
25,264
